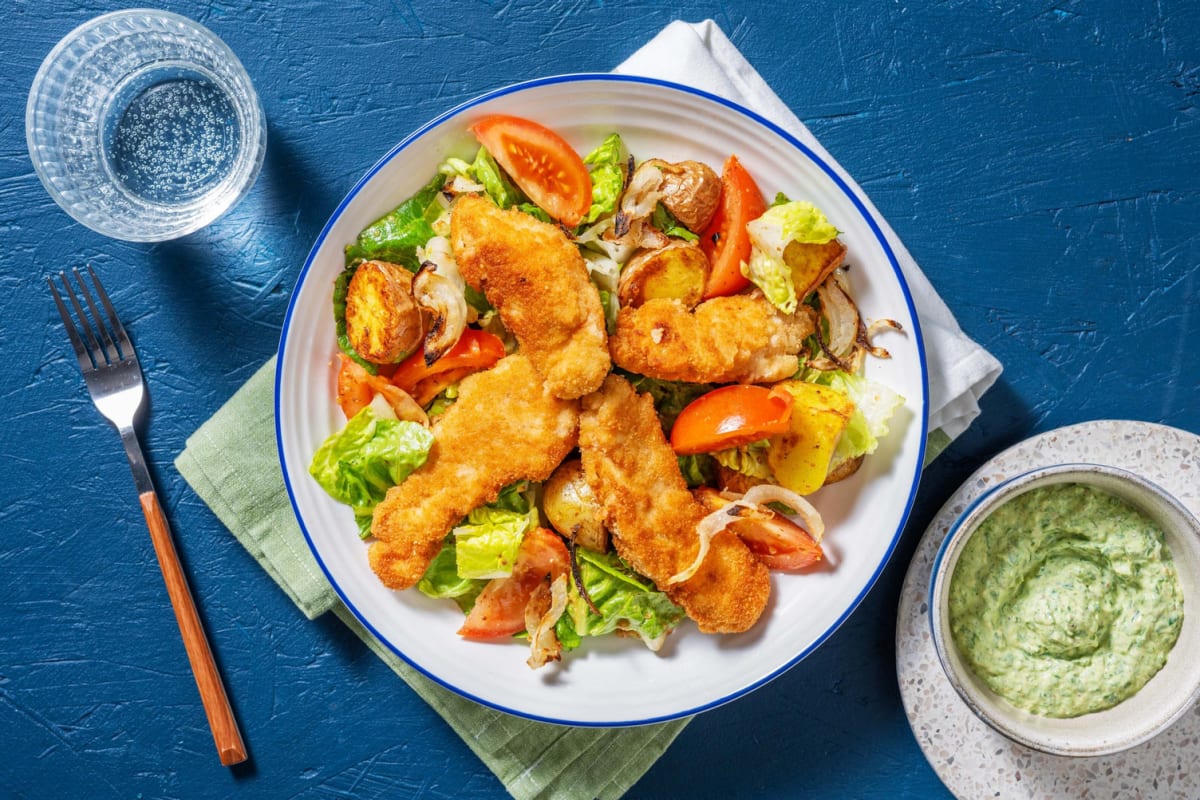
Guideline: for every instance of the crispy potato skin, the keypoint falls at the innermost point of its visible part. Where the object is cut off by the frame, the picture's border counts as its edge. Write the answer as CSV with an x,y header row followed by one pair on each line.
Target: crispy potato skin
x,y
653,516
691,192
383,321
504,427
741,338
539,283
571,508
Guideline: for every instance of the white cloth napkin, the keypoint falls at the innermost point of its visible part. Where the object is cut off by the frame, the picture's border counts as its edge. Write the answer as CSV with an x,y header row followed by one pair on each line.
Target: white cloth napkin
x,y
700,55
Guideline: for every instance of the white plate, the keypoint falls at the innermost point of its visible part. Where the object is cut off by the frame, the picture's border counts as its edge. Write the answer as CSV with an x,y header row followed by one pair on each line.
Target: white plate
x,y
616,682
972,759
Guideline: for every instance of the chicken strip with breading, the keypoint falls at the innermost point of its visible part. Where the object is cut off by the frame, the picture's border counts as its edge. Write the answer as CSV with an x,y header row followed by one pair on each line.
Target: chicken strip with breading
x,y
653,517
742,338
504,427
538,282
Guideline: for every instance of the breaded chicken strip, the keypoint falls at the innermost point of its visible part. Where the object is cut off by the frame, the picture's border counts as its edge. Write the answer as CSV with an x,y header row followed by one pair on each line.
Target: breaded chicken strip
x,y
503,428
742,338
633,473
539,283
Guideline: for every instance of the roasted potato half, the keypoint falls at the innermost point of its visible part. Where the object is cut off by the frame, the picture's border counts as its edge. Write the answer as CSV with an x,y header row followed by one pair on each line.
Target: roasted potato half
x,y
570,506
811,263
800,458
383,321
676,272
691,191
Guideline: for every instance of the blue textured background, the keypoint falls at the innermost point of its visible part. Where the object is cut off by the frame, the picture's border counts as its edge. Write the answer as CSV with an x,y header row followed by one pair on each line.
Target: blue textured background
x,y
1041,161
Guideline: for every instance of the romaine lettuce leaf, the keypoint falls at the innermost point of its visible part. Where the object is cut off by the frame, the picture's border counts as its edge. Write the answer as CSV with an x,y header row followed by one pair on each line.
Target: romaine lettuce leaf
x,y
697,470
874,405
625,601
396,236
770,234
441,579
537,212
750,459
670,397
495,183
358,464
607,165
487,542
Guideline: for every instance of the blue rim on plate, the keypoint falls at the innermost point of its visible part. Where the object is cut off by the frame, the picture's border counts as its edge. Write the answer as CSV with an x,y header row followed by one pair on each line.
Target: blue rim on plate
x,y
842,186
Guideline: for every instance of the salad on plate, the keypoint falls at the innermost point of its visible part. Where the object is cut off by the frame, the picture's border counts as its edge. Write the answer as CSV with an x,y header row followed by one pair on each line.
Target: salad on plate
x,y
590,394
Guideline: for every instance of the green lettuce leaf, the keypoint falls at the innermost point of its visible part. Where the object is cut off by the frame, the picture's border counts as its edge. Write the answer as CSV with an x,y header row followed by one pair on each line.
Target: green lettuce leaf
x,y
396,236
441,579
770,234
750,459
625,600
874,405
607,165
495,183
487,542
697,470
670,397
487,173
358,464
537,212
665,221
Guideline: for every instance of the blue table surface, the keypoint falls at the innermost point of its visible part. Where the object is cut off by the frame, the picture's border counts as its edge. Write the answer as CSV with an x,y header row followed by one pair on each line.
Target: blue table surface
x,y
1041,161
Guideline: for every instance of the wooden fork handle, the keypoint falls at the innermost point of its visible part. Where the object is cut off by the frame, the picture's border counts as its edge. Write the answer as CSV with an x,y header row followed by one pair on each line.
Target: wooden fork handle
x,y
212,692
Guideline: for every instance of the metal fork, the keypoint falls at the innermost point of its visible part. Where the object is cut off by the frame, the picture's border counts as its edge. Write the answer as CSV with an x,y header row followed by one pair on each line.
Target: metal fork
x,y
114,380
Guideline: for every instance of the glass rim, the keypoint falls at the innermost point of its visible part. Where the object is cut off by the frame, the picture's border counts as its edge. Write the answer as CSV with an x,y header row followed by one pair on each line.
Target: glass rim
x,y
236,77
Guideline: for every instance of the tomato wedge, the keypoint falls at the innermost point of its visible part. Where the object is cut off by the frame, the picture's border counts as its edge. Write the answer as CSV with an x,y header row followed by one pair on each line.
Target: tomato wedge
x,y
725,241
731,416
778,543
475,349
541,163
499,611
354,390
775,540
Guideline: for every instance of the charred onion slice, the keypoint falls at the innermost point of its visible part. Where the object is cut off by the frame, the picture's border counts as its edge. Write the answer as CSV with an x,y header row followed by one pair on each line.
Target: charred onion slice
x,y
544,645
439,290
843,319
865,333
804,514
752,505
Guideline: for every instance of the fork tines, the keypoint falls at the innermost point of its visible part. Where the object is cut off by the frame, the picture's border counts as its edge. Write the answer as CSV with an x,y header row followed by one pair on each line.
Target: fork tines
x,y
100,344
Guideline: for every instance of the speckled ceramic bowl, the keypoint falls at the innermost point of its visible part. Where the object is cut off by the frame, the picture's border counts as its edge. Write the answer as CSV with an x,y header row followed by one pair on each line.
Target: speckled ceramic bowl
x,y
1163,700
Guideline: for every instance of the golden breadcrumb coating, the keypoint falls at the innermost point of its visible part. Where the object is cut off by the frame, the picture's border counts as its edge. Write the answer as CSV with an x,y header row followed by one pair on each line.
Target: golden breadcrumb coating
x,y
538,282
742,338
653,516
503,428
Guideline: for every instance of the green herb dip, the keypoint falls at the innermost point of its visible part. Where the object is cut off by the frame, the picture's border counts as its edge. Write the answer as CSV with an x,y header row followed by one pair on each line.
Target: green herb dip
x,y
1065,600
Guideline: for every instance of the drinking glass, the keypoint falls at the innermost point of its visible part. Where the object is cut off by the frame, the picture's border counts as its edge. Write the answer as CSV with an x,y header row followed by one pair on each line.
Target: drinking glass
x,y
144,126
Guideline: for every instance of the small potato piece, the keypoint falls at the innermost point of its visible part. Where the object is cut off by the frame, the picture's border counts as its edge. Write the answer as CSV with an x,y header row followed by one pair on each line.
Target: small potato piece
x,y
844,470
691,191
383,321
800,457
569,505
811,263
676,272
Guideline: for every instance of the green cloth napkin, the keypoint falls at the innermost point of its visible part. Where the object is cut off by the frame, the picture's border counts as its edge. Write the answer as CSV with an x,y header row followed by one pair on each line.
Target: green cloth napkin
x,y
233,465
